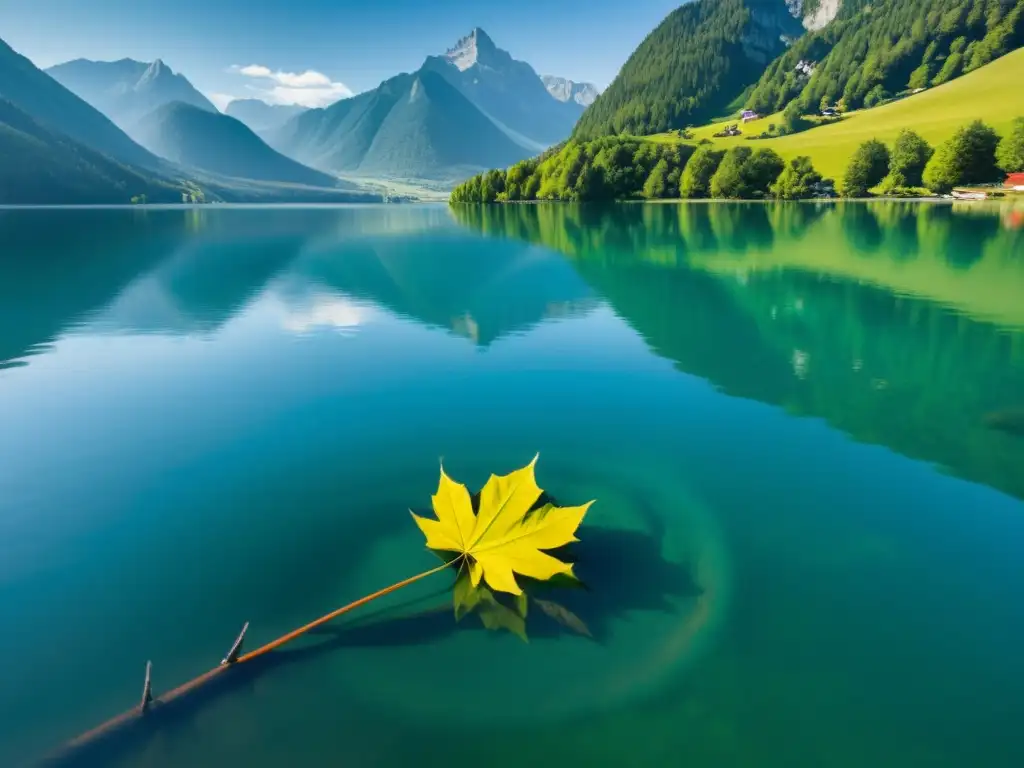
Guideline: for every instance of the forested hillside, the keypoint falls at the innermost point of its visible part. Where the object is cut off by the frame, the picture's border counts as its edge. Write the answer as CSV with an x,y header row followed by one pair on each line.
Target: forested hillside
x,y
692,66
712,57
874,149
873,51
40,166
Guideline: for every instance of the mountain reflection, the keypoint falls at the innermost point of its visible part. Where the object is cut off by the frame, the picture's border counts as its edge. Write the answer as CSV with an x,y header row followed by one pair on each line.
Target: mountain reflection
x,y
901,324
184,272
445,281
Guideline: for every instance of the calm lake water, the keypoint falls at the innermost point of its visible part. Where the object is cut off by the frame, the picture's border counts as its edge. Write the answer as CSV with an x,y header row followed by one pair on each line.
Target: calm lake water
x,y
803,425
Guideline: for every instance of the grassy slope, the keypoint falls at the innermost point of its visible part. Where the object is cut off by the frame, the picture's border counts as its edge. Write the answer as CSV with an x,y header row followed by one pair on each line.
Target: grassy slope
x,y
992,93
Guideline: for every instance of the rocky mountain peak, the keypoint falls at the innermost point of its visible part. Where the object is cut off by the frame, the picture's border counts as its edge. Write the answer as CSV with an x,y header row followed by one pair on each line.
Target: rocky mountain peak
x,y
155,71
475,48
563,89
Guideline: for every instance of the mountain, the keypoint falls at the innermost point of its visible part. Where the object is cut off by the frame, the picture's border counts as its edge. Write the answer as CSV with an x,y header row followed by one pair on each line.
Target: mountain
x,y
57,148
126,90
210,141
163,112
508,91
52,105
564,90
39,166
694,65
458,114
854,59
416,126
260,116
710,58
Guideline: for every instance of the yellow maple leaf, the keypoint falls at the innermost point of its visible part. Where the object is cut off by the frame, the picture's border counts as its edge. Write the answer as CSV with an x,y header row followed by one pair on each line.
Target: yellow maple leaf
x,y
504,537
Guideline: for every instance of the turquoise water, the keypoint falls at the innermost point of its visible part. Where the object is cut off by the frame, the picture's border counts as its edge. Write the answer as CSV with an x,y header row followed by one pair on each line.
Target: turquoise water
x,y
803,425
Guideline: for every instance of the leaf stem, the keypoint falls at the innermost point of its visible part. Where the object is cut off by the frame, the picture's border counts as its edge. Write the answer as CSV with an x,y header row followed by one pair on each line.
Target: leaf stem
x,y
338,612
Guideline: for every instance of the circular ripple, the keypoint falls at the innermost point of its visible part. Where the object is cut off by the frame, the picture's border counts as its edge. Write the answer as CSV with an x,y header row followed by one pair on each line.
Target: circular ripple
x,y
659,580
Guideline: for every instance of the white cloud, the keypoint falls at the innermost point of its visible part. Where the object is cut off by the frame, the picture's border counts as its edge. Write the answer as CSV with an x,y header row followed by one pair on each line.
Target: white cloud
x,y
309,88
253,70
326,311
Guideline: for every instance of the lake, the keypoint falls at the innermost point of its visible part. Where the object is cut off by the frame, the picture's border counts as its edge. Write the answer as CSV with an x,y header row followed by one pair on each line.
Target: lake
x,y
803,425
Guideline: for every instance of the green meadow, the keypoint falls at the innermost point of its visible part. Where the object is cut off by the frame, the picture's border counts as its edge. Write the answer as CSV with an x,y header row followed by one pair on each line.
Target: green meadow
x,y
993,93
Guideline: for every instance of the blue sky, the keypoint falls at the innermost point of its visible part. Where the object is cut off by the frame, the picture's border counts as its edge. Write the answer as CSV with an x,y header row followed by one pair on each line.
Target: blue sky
x,y
318,50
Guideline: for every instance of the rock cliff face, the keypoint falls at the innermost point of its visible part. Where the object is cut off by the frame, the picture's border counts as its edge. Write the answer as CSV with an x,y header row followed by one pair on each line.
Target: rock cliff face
x,y
770,29
564,89
814,14
507,90
821,13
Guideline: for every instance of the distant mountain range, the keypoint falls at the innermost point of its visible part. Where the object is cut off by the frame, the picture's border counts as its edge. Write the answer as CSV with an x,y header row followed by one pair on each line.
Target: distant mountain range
x,y
411,126
472,108
110,131
47,101
197,138
57,148
164,112
510,92
260,116
127,90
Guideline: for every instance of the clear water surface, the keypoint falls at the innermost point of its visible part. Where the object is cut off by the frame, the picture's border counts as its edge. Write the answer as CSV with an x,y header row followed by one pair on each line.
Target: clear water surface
x,y
803,425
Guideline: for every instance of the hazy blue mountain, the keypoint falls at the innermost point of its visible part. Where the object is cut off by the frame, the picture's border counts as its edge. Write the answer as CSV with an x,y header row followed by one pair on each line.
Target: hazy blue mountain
x,y
564,89
126,90
58,109
210,141
509,91
459,112
413,126
57,148
260,116
41,166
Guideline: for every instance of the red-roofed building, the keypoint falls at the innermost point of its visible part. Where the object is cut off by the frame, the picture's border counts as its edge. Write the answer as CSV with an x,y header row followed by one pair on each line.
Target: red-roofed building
x,y
1015,181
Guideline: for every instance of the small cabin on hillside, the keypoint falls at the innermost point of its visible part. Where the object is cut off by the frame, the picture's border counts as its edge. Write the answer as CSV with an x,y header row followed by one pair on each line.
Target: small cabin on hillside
x,y
749,114
1015,181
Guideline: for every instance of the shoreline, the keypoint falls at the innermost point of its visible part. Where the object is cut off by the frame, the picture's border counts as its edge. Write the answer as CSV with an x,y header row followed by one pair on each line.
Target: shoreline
x,y
441,201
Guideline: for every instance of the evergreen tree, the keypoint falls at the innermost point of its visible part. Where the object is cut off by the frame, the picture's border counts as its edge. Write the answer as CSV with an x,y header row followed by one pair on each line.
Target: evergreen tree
x,y
688,68
874,49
